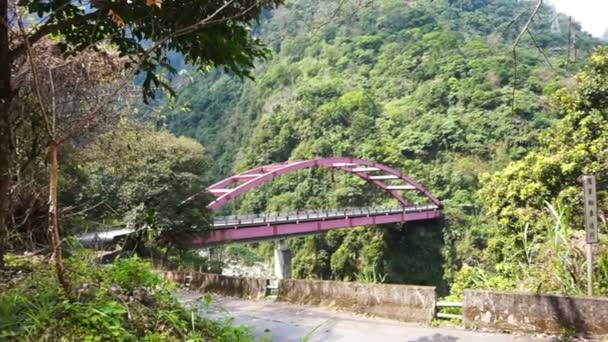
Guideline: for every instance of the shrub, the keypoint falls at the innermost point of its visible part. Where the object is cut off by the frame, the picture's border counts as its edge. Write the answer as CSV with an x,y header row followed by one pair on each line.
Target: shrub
x,y
125,301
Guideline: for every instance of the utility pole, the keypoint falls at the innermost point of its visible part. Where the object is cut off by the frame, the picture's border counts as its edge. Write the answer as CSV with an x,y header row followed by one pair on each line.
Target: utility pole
x,y
574,45
590,197
569,37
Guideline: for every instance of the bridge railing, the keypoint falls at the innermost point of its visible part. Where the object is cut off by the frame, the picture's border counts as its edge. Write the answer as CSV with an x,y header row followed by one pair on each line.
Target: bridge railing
x,y
303,215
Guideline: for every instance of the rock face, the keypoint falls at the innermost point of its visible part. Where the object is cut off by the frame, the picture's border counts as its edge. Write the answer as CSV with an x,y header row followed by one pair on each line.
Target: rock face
x,y
257,270
534,313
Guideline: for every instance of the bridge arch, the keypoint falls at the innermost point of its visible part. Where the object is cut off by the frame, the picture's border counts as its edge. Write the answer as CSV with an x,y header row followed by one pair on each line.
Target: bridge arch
x,y
375,173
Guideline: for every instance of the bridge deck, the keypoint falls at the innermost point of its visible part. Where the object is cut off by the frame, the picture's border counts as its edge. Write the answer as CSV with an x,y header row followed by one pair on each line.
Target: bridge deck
x,y
269,226
253,227
238,221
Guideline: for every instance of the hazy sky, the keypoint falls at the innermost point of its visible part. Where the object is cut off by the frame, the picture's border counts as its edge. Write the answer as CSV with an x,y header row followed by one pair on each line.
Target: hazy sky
x,y
592,14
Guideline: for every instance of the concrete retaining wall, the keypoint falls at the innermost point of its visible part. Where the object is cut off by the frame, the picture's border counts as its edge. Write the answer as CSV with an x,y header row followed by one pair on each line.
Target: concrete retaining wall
x,y
401,302
224,285
534,313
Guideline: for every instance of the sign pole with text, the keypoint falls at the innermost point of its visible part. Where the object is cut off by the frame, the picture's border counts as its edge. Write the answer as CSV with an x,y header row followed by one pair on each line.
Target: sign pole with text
x,y
590,225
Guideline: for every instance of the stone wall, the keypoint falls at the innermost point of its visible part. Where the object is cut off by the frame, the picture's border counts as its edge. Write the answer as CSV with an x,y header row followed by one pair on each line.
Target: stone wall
x,y
401,302
534,313
224,285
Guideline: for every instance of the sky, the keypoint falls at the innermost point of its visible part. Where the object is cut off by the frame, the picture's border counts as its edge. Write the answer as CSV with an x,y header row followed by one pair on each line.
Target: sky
x,y
592,14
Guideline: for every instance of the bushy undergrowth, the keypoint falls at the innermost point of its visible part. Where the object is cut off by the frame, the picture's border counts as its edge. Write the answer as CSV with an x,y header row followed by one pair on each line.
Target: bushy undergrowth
x,y
125,301
550,263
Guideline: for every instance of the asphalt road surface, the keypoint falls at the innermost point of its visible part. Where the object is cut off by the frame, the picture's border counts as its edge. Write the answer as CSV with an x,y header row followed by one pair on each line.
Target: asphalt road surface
x,y
283,322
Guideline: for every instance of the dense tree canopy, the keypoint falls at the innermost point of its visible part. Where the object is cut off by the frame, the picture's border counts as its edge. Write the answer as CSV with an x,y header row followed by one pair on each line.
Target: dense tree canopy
x,y
137,177
538,199
425,86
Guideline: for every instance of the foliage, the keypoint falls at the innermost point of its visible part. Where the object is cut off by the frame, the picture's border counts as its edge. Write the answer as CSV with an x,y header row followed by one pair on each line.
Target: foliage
x,y
242,254
148,180
143,35
188,260
539,243
206,34
370,276
63,92
426,88
576,146
125,301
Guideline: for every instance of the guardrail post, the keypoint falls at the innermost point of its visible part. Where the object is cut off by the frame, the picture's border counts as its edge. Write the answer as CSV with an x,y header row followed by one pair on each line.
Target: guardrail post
x,y
444,304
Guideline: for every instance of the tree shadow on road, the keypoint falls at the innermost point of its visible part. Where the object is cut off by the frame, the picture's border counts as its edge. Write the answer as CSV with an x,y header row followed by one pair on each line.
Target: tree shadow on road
x,y
436,338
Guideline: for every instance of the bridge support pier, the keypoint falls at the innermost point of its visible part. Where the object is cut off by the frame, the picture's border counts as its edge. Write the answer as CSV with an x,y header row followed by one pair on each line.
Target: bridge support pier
x,y
282,260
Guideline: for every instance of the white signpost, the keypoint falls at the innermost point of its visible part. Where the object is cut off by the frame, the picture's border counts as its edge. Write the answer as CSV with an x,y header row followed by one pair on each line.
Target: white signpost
x,y
591,229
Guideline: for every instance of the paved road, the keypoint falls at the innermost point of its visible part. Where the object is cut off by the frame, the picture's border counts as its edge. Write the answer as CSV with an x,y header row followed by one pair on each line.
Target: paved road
x,y
287,322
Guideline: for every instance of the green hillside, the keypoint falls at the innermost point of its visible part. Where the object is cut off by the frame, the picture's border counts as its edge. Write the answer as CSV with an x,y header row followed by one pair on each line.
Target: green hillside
x,y
424,86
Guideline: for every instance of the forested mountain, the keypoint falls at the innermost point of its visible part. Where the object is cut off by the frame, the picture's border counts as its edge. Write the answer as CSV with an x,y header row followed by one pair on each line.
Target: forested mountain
x,y
424,86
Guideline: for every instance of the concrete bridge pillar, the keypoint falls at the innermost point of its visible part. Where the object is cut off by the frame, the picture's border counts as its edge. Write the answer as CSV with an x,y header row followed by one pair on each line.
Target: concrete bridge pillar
x,y
282,260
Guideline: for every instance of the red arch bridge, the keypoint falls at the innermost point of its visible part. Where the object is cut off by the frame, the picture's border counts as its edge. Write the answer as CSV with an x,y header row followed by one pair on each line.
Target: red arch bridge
x,y
269,226
265,226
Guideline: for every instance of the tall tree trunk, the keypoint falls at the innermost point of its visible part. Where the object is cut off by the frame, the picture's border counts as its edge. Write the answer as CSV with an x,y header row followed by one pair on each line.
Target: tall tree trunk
x,y
54,233
5,179
5,126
